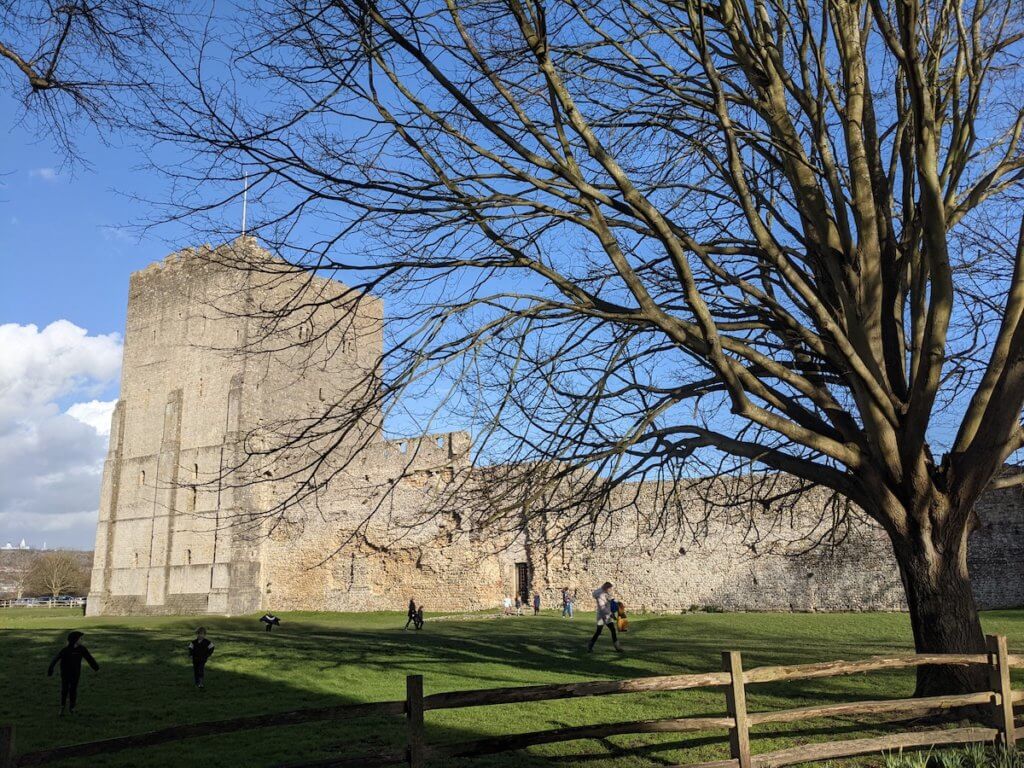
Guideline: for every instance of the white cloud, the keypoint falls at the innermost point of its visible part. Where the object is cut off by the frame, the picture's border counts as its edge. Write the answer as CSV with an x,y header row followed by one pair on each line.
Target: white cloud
x,y
51,461
43,174
40,366
95,413
117,235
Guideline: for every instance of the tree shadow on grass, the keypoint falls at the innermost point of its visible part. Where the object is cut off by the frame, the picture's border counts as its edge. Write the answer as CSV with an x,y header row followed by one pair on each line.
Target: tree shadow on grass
x,y
562,654
145,683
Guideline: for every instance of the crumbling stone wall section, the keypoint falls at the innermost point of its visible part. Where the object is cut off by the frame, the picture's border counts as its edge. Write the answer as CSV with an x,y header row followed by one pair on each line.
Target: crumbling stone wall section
x,y
382,535
720,569
200,377
715,561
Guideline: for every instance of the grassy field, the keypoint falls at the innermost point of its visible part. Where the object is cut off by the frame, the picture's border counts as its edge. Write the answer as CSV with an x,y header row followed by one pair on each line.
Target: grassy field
x,y
145,682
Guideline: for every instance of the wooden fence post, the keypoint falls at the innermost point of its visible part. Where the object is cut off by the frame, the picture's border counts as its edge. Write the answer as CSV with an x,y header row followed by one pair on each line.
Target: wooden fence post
x,y
6,746
736,706
1000,672
414,720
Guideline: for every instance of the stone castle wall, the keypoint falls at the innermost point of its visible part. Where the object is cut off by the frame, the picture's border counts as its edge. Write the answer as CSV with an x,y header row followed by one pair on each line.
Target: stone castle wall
x,y
199,375
995,554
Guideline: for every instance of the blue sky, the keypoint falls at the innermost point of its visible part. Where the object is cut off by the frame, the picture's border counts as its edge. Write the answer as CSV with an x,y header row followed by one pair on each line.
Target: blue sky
x,y
65,235
68,242
67,249
70,237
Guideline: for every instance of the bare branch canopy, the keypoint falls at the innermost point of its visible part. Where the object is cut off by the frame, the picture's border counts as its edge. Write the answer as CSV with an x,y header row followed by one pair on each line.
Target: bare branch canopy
x,y
664,237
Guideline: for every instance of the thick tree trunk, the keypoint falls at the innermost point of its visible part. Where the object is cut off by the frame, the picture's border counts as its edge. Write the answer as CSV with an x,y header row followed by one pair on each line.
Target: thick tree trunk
x,y
943,615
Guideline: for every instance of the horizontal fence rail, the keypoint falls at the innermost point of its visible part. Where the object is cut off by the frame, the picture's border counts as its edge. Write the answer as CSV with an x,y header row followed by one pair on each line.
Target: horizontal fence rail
x,y
921,707
489,696
853,747
549,692
735,722
520,740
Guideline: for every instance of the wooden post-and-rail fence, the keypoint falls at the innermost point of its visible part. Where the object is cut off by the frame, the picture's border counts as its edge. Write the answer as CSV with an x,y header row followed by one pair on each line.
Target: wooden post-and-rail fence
x,y
996,724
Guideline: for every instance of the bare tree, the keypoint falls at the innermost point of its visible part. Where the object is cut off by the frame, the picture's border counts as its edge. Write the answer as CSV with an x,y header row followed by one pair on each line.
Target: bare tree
x,y
82,60
665,237
55,574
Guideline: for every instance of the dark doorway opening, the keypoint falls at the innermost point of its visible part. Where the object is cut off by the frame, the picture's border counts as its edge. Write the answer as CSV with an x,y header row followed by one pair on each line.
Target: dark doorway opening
x,y
523,582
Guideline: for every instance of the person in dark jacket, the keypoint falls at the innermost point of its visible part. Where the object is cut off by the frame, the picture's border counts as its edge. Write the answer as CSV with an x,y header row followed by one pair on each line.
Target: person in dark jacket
x,y
70,658
419,618
200,650
270,620
536,603
411,614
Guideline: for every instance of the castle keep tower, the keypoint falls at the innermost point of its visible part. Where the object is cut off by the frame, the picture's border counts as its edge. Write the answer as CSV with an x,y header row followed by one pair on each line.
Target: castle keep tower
x,y
193,385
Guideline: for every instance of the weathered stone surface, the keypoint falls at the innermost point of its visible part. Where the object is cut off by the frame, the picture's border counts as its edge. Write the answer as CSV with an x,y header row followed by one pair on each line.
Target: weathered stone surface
x,y
173,538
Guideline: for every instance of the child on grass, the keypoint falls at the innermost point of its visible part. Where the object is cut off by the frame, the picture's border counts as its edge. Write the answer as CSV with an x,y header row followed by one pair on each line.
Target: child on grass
x,y
200,650
70,658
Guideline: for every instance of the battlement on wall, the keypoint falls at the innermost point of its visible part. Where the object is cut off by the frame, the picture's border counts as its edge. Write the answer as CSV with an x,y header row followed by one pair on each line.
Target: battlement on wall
x,y
191,258
426,451
248,257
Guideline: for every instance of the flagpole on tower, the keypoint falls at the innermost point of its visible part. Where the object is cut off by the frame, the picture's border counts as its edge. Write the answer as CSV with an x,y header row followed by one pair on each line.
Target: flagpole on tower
x,y
245,197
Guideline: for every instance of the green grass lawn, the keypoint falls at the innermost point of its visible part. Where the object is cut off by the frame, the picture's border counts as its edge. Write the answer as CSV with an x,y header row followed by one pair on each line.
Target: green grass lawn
x,y
145,681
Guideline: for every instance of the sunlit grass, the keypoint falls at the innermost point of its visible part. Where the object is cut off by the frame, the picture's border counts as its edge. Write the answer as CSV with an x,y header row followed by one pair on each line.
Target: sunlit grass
x,y
316,659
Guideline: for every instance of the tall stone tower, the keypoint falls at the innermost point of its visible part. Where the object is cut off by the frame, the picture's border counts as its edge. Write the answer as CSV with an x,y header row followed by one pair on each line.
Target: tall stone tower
x,y
199,374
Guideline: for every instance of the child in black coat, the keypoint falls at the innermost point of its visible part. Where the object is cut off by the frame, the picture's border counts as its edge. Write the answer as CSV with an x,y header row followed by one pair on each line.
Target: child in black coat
x,y
70,658
200,650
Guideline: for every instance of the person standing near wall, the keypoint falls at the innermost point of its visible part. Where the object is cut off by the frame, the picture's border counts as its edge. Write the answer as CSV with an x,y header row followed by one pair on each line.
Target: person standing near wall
x,y
605,618
536,603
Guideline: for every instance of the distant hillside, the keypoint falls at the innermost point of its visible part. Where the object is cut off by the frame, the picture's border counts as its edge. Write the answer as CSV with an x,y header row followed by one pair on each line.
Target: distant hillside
x,y
14,564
